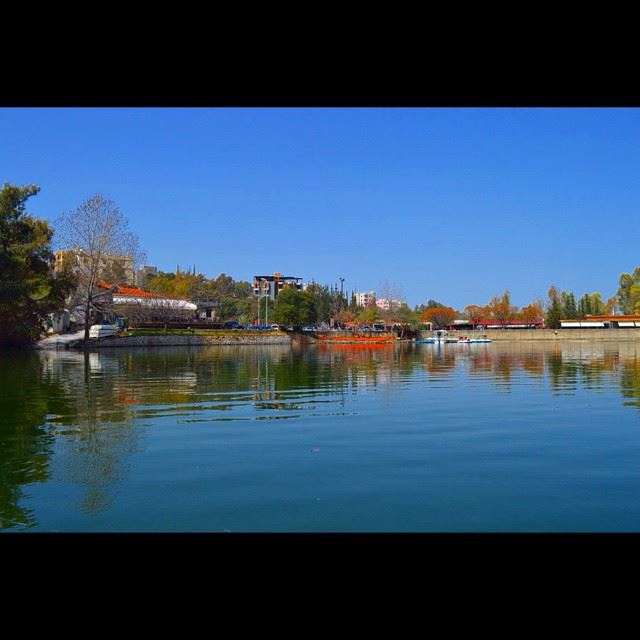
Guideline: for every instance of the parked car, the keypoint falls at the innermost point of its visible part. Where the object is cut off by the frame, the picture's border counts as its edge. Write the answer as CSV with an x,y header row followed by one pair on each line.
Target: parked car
x,y
309,329
275,327
232,324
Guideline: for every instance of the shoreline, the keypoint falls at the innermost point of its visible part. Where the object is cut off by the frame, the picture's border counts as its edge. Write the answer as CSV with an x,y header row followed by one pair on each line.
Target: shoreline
x,y
496,335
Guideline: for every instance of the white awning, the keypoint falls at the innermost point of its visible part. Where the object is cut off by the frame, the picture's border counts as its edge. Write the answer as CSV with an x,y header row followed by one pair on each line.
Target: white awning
x,y
155,303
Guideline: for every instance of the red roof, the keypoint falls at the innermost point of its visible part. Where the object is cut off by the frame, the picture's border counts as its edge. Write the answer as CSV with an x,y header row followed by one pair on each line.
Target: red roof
x,y
507,322
125,291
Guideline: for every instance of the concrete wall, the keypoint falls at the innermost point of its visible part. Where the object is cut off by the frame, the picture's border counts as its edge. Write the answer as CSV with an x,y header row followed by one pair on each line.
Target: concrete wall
x,y
182,341
550,334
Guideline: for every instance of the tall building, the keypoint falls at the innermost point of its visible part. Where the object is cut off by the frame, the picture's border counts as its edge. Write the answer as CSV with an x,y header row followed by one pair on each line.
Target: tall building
x,y
111,267
365,298
143,274
272,285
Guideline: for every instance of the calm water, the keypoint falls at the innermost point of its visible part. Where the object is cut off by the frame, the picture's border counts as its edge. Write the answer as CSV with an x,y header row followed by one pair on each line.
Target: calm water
x,y
498,437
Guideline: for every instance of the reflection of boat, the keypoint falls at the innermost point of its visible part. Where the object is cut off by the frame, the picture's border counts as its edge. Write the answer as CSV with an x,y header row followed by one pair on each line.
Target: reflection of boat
x,y
441,336
482,338
354,337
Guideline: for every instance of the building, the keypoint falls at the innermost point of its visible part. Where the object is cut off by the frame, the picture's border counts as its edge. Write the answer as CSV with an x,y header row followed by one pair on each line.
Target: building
x,y
272,285
111,267
489,323
144,274
142,306
602,322
365,298
389,305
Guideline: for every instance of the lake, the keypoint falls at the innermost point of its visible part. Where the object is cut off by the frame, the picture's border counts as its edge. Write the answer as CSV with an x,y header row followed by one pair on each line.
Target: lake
x,y
501,437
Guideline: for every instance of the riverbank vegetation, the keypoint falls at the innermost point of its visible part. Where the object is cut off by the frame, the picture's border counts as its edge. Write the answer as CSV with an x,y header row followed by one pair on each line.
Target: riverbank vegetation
x,y
29,290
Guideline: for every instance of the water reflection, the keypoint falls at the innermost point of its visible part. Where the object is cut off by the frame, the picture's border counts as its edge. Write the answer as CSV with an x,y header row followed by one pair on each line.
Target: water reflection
x,y
80,418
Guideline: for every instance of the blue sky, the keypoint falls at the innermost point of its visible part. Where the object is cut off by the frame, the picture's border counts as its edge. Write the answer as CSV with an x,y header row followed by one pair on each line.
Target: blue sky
x,y
452,204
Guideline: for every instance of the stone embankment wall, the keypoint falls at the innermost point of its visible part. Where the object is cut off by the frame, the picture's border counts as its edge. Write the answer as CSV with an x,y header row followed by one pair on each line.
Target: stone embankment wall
x,y
551,334
182,341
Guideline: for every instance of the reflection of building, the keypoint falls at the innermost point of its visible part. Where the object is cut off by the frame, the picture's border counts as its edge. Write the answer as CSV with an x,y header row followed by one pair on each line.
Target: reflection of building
x,y
272,285
365,298
111,267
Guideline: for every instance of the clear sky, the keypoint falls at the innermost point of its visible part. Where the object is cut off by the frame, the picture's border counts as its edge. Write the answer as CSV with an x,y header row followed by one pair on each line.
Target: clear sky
x,y
452,204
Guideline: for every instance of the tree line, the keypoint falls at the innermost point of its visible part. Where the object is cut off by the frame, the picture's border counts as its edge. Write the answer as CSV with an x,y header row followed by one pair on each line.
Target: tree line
x,y
30,287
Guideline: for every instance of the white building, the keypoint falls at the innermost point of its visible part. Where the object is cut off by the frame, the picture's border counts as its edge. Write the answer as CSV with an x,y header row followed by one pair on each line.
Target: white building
x,y
365,298
388,305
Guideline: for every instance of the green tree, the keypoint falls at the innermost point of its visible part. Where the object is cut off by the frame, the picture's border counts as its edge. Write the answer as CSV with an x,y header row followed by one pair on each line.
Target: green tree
x,y
584,305
28,288
568,304
367,315
554,309
293,307
597,305
628,293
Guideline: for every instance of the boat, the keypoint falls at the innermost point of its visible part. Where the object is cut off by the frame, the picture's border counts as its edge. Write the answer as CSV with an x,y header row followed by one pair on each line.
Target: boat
x,y
440,336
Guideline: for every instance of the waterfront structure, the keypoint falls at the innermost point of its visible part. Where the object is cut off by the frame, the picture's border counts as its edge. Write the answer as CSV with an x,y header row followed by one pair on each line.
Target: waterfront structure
x,y
602,322
271,286
365,298
78,259
490,323
206,308
139,305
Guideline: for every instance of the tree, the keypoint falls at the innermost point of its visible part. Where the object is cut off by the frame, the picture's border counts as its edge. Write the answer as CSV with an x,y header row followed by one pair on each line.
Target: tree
x,y
294,307
500,309
29,289
532,312
439,316
554,310
475,313
97,233
390,302
628,293
597,305
584,305
591,304
367,315
568,305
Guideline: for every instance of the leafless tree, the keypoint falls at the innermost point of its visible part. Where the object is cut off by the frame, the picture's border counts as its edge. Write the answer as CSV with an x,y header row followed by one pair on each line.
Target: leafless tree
x,y
390,296
96,234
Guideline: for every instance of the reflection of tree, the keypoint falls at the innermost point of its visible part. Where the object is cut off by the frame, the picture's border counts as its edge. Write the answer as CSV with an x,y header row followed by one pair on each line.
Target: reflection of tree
x,y
439,361
96,403
98,430
630,381
25,442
